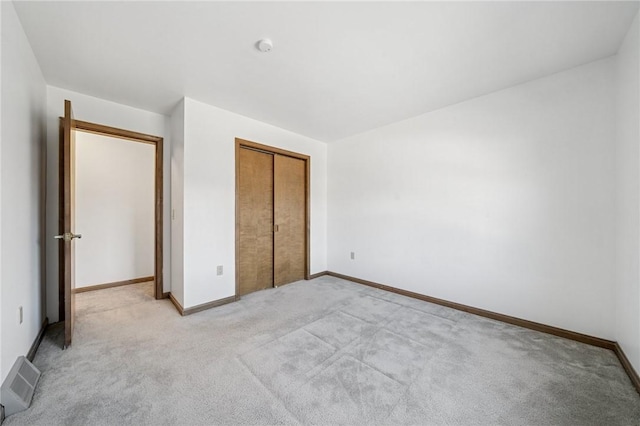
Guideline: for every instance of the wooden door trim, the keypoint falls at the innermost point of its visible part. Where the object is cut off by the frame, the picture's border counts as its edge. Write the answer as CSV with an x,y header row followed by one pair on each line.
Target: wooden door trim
x,y
157,141
101,129
245,144
269,149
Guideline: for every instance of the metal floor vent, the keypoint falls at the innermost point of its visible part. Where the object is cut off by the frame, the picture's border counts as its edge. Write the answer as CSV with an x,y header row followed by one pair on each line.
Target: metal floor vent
x,y
19,386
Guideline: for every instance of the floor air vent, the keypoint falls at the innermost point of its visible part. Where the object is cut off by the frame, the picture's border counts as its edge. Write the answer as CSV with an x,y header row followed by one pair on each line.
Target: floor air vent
x,y
19,386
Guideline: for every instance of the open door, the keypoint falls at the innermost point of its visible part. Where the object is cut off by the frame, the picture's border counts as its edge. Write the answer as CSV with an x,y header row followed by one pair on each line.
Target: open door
x,y
67,226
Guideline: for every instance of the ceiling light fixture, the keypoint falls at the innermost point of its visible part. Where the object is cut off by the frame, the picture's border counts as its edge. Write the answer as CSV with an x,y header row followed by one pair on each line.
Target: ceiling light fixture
x,y
265,45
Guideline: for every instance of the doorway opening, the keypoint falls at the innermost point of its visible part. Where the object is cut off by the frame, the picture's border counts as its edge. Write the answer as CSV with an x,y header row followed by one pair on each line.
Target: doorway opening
x,y
114,210
148,145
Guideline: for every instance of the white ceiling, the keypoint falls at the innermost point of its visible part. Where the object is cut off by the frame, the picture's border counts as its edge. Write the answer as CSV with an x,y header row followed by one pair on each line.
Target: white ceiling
x,y
336,69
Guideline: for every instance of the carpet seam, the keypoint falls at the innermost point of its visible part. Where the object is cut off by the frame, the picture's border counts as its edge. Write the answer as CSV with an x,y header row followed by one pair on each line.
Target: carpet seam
x,y
404,337
309,373
269,391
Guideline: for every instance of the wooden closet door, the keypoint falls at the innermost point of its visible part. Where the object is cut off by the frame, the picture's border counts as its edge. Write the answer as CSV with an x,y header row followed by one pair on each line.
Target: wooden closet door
x,y
289,218
255,205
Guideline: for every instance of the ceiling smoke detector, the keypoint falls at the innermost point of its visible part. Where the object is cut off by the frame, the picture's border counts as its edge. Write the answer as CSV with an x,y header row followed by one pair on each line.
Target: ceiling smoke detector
x,y
265,45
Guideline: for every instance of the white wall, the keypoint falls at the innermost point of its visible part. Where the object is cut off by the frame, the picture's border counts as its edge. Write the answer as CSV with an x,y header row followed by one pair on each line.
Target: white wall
x,y
628,197
177,202
209,196
88,108
21,151
503,202
115,188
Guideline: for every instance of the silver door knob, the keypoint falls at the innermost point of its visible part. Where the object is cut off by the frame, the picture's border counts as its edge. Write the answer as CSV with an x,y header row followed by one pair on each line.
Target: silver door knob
x,y
67,236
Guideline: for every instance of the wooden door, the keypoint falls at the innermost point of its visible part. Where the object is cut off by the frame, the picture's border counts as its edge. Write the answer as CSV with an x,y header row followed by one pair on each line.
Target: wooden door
x,y
255,221
289,219
67,222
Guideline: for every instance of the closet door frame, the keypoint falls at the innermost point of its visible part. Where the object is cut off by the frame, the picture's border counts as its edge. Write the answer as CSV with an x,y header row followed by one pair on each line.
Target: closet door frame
x,y
245,144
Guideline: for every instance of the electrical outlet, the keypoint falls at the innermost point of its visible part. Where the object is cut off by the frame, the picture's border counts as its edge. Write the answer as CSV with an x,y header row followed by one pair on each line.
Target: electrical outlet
x,y
219,270
20,314
353,255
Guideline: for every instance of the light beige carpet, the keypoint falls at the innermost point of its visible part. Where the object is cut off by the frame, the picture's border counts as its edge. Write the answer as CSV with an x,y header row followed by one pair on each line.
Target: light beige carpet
x,y
325,351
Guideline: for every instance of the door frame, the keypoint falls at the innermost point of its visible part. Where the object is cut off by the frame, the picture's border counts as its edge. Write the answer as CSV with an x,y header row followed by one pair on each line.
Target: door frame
x,y
157,141
245,144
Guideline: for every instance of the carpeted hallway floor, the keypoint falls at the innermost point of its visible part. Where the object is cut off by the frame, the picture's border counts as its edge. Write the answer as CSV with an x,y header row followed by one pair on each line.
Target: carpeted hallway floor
x,y
325,351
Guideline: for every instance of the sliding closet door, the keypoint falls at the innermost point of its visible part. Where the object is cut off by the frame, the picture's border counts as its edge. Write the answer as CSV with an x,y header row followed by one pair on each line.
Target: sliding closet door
x,y
255,221
289,219
272,206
